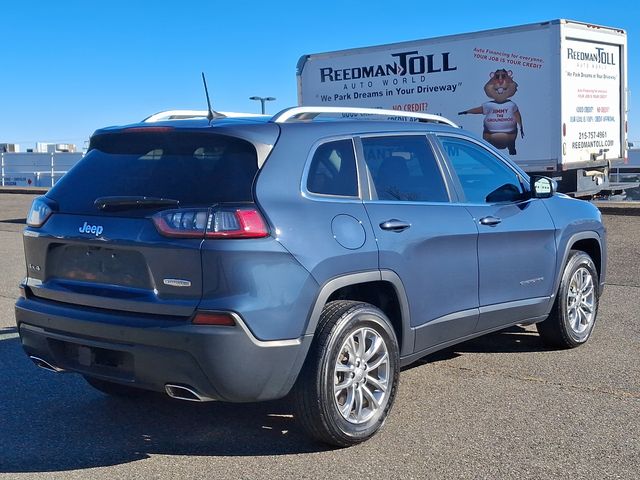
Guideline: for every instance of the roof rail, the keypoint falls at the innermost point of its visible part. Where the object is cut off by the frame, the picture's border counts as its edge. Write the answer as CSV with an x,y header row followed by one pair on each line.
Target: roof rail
x,y
190,114
175,115
309,113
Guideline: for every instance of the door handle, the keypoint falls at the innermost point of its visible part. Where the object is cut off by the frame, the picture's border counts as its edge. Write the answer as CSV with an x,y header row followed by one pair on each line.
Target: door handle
x,y
395,225
491,221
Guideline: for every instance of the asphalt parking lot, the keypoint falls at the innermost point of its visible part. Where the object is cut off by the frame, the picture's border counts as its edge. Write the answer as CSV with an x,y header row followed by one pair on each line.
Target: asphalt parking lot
x,y
498,407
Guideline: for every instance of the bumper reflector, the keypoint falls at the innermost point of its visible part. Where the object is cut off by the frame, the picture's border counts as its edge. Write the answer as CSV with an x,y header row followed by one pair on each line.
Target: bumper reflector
x,y
213,318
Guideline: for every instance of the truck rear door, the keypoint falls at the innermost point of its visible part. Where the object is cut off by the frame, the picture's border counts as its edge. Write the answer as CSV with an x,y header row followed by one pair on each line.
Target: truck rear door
x,y
592,96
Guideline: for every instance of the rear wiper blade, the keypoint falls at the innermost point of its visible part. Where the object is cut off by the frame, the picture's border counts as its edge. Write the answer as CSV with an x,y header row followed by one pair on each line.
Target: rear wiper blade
x,y
116,203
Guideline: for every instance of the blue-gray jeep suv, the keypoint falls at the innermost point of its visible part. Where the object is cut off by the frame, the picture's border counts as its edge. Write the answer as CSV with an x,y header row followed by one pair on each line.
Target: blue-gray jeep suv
x,y
241,259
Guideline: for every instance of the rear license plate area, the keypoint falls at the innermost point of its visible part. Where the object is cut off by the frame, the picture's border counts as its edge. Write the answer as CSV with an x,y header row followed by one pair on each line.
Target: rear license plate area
x,y
98,265
96,360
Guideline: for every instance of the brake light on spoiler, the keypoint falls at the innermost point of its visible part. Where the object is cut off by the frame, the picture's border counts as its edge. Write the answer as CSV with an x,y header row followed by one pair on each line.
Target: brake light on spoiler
x,y
217,222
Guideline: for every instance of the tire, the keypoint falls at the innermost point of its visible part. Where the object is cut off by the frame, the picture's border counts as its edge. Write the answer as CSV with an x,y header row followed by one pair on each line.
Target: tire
x,y
574,312
115,389
369,376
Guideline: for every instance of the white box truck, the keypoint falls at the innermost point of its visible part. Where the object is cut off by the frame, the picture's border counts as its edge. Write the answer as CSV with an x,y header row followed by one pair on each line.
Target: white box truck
x,y
551,95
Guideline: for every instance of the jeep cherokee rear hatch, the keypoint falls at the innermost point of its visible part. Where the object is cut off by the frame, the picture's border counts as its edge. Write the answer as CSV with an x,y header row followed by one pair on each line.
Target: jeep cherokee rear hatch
x,y
128,220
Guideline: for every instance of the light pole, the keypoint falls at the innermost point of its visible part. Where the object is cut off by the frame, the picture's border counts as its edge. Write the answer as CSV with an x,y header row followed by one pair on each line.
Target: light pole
x,y
262,101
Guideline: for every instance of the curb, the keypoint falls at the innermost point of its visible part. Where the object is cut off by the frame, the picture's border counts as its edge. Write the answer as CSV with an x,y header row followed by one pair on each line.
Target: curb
x,y
618,208
24,190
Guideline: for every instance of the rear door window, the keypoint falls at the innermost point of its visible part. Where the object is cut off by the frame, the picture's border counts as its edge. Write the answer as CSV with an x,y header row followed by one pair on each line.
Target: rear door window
x,y
195,169
404,168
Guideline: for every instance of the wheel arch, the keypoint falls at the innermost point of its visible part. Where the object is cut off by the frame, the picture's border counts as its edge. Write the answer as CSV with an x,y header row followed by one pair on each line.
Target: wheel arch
x,y
381,288
588,242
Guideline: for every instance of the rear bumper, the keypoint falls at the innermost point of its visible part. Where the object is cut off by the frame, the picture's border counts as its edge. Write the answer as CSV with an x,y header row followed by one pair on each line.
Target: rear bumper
x,y
222,363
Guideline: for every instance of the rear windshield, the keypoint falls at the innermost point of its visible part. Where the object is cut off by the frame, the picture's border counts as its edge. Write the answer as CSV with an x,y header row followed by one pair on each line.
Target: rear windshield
x,y
194,168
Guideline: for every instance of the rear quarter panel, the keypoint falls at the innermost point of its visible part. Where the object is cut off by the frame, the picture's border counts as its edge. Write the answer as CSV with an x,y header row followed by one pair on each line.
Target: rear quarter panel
x,y
260,280
303,225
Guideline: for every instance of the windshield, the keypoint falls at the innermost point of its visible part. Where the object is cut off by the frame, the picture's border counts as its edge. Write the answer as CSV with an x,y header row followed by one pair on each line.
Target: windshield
x,y
195,169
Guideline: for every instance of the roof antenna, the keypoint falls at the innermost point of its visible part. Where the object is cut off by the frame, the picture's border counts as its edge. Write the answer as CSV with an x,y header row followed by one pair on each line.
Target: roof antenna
x,y
210,113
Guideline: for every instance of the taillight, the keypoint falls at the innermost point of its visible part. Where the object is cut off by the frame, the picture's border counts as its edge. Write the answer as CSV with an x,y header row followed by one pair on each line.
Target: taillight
x,y
41,210
218,222
189,223
236,223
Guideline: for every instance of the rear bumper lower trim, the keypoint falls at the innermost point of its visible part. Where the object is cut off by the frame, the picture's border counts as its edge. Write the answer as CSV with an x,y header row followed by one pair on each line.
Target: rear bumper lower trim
x,y
223,363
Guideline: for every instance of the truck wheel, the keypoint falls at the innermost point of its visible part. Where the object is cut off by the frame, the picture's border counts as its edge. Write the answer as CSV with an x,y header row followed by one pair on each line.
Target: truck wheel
x,y
115,389
573,315
348,383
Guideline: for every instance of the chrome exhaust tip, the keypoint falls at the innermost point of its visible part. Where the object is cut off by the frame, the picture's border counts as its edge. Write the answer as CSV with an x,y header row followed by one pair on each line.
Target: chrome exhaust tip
x,y
183,392
45,365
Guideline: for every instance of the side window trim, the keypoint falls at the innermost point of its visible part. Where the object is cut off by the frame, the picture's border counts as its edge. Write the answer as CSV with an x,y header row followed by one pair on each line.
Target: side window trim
x,y
450,179
455,180
367,181
326,196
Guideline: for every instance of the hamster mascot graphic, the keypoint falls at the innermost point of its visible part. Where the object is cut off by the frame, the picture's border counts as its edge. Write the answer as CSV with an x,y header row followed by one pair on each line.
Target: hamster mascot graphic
x,y
501,115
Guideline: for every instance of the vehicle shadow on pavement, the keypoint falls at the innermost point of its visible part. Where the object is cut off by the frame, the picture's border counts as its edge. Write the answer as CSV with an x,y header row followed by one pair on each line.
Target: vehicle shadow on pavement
x,y
19,221
52,422
514,339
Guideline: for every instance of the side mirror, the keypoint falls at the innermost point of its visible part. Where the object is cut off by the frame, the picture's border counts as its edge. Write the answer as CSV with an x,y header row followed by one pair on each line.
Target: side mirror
x,y
542,187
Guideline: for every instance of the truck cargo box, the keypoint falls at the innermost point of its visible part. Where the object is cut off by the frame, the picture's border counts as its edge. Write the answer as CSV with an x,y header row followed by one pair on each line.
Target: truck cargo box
x,y
550,95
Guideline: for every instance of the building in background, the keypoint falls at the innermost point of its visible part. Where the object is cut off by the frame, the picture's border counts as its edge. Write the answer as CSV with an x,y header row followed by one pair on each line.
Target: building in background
x,y
9,148
43,147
